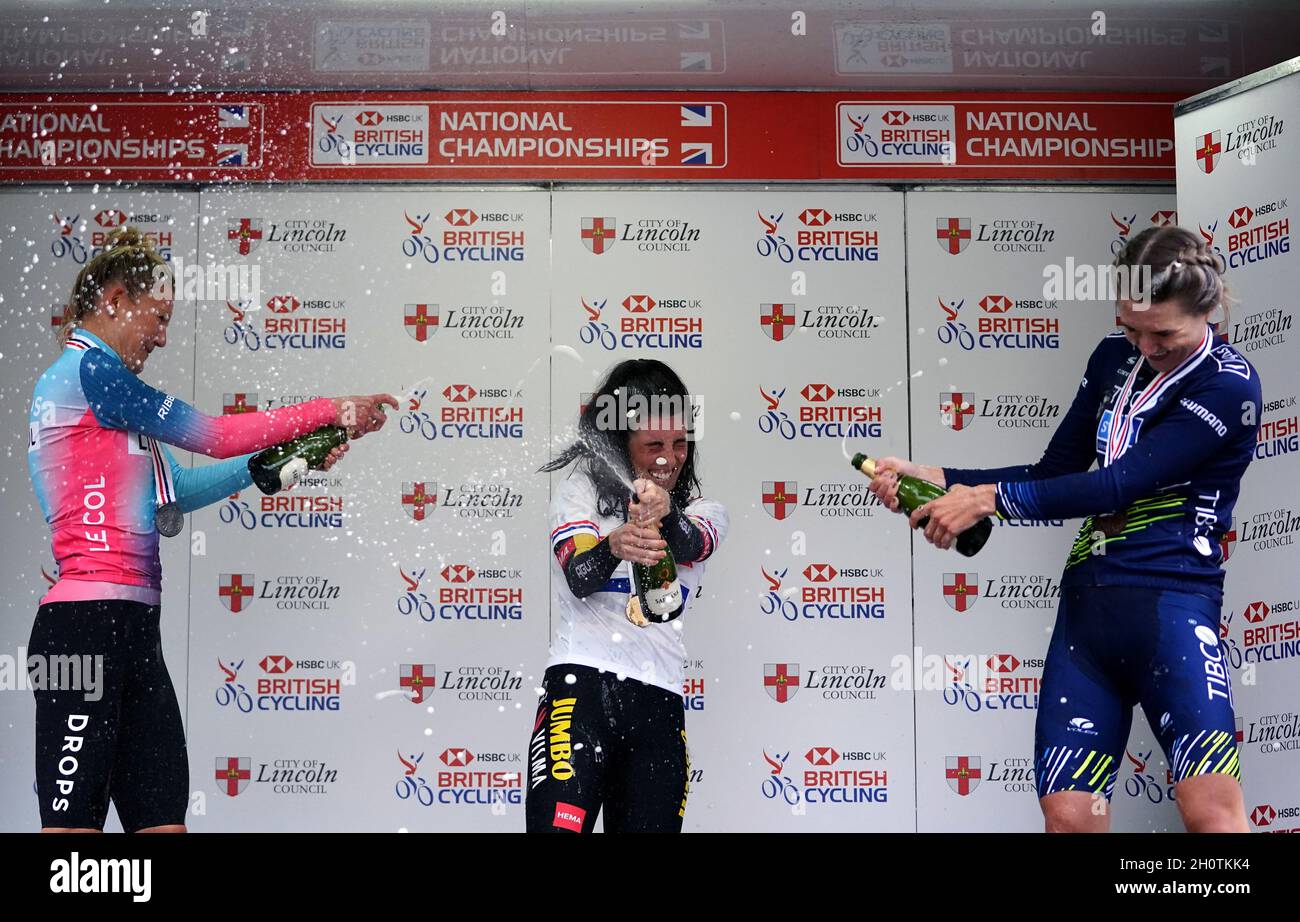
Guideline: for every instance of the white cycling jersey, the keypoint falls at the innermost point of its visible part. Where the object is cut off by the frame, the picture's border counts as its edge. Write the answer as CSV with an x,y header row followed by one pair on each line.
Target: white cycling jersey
x,y
594,631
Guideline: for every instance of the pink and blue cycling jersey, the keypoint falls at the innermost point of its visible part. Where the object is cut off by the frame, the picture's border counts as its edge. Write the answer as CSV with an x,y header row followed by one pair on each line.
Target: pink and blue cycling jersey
x,y
96,456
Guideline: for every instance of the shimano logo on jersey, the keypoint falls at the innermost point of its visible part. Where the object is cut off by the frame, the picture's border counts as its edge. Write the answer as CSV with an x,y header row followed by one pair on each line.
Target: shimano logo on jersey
x,y
1216,676
103,875
1205,415
166,406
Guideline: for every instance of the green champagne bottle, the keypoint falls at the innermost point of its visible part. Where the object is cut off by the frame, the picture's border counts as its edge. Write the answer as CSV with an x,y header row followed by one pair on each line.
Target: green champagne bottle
x,y
914,493
281,466
658,591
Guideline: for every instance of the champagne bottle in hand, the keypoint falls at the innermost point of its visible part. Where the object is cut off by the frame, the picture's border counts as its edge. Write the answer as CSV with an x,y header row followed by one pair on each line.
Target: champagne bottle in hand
x,y
281,466
656,591
913,493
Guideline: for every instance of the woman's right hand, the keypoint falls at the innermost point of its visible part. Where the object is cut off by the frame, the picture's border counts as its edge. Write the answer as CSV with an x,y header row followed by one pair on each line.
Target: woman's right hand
x,y
888,470
364,413
639,544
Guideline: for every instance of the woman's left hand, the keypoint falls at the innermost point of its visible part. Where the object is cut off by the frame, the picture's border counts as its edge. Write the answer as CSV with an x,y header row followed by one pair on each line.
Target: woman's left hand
x,y
955,511
333,457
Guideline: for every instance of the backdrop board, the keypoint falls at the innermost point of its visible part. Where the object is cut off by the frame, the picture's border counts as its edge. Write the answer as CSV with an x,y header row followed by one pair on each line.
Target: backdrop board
x,y
1236,155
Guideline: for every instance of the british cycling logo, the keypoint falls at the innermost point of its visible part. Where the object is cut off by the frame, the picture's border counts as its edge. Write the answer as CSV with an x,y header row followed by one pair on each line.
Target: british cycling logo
x,y
649,321
996,328
1000,682
814,241
465,594
460,242
827,592
822,411
466,411
462,778
288,324
283,511
1258,233
285,685
828,775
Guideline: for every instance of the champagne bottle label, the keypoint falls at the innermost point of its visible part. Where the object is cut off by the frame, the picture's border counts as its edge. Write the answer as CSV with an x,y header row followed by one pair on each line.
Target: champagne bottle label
x,y
664,600
292,471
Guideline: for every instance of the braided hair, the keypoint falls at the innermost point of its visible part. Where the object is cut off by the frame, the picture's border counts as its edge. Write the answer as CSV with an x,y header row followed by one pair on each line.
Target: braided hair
x,y
1183,268
128,257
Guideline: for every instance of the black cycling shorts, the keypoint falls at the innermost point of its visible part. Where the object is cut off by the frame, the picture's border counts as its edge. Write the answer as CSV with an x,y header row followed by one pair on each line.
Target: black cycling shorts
x,y
112,729
600,742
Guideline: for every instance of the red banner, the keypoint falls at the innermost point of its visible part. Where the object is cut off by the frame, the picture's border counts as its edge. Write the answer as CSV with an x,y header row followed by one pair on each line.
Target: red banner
x,y
589,136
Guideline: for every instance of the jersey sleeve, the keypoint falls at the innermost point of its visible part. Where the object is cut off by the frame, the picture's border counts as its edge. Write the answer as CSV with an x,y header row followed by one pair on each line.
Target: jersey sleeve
x,y
1218,417
583,553
197,487
573,513
1072,448
120,400
710,517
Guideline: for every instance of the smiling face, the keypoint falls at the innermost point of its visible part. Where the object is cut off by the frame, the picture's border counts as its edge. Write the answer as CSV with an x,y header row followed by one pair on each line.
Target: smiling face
x,y
1163,332
658,450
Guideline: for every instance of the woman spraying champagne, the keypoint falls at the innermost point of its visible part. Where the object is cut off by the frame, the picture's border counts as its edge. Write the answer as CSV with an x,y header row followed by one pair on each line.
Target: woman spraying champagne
x,y
610,733
1170,418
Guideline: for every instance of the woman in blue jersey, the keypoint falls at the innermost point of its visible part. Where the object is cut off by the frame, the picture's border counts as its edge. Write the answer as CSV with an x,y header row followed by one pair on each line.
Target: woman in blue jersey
x,y
107,485
1170,417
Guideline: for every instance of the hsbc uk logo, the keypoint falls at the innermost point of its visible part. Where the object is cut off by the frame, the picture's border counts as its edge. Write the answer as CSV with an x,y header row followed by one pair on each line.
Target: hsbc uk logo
x,y
461,592
819,236
461,777
870,134
995,682
465,412
825,592
461,235
289,323
822,411
826,775
996,327
1258,233
1268,818
1270,632
646,322
284,684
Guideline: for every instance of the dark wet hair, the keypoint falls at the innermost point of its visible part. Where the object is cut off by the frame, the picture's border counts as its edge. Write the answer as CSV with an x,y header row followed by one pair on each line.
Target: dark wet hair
x,y
601,445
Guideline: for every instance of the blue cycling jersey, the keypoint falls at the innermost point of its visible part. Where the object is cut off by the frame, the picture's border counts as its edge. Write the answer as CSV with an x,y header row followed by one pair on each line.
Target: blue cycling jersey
x,y
1171,449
